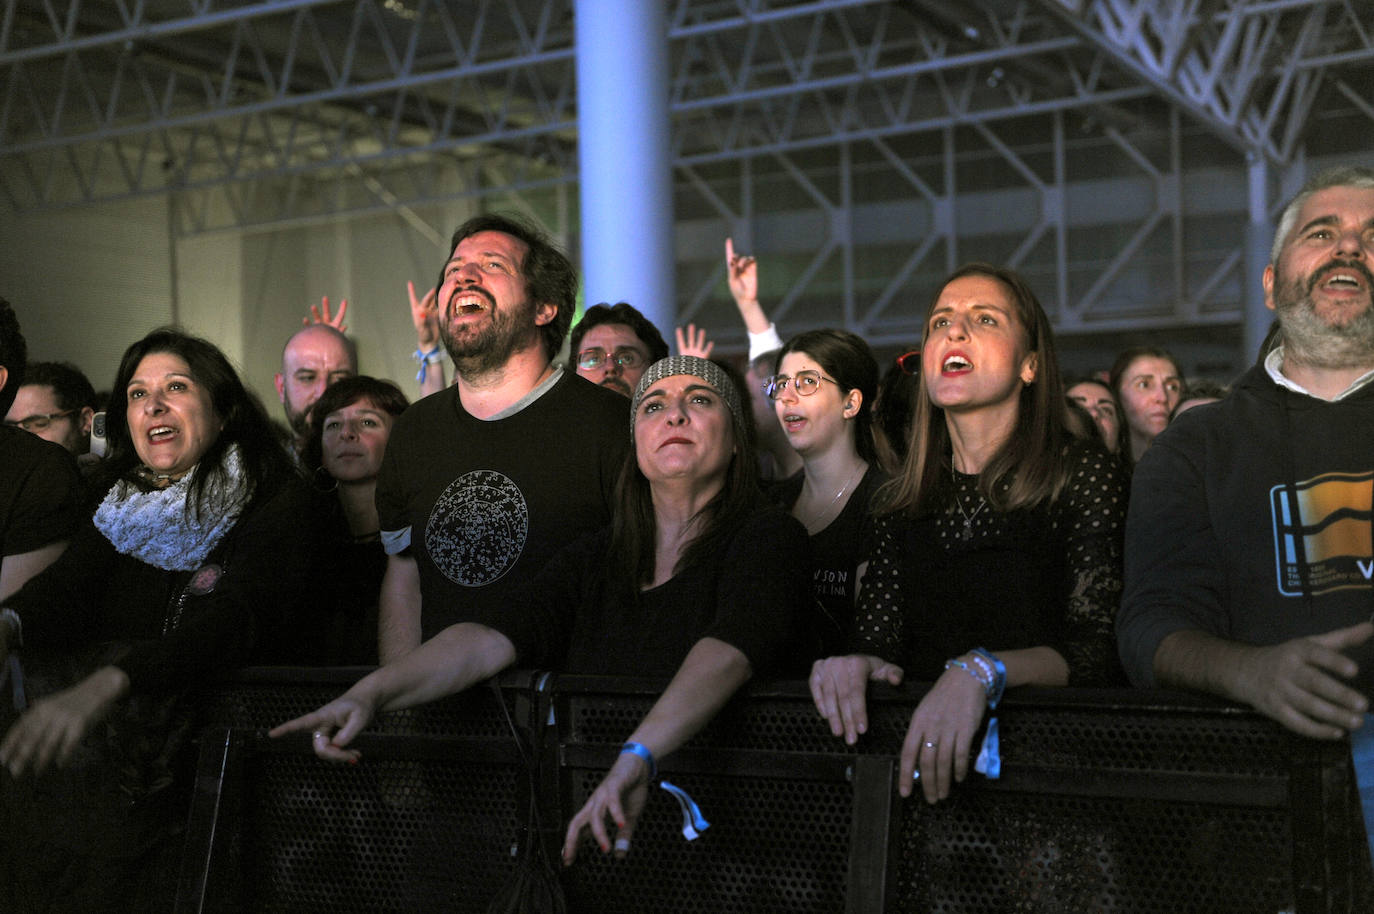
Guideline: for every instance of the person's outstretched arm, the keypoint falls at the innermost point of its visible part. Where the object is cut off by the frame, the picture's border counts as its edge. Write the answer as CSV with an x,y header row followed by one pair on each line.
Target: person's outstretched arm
x,y
711,673
457,657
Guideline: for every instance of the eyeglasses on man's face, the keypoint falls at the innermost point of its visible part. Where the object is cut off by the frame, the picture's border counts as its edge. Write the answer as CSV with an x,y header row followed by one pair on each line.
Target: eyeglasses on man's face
x,y
625,357
38,422
805,383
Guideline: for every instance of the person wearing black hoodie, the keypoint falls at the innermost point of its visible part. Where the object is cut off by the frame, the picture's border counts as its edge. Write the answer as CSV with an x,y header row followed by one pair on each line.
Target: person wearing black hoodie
x,y
1248,541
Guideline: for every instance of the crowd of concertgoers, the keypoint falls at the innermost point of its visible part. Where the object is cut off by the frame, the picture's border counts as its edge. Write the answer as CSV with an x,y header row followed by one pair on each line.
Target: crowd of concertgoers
x,y
965,517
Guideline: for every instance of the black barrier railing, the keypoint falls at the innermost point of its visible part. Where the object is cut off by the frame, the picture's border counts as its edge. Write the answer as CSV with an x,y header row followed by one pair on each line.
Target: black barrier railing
x,y
1108,801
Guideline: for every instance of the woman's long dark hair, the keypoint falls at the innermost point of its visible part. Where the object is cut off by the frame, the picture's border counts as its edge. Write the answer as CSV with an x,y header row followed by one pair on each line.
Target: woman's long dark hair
x,y
265,461
630,558
1031,462
847,358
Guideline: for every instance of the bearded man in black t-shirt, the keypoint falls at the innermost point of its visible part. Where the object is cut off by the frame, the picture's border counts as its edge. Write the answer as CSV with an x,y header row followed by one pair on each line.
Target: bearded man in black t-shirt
x,y
484,481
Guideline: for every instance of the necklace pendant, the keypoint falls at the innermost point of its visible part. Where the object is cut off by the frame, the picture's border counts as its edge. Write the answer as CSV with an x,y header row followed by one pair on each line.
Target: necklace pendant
x,y
968,531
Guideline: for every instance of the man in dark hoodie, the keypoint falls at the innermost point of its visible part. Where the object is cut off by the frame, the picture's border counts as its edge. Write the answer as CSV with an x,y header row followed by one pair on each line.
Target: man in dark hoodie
x,y
1248,543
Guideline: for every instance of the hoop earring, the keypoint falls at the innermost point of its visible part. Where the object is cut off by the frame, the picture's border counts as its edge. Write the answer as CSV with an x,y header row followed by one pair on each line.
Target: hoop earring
x,y
317,484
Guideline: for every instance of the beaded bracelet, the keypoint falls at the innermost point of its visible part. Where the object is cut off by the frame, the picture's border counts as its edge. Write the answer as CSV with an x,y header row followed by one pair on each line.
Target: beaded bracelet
x,y
963,665
999,682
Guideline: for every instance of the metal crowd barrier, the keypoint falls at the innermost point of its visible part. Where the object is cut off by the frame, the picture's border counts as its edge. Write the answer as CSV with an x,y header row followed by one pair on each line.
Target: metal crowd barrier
x,y
1108,801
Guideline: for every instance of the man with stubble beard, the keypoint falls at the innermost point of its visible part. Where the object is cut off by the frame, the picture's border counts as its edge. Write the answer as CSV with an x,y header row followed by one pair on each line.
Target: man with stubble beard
x,y
484,481
1248,543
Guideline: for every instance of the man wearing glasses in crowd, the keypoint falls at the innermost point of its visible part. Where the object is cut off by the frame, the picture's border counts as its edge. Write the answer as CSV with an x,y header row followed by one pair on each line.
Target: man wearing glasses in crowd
x,y
56,403
613,344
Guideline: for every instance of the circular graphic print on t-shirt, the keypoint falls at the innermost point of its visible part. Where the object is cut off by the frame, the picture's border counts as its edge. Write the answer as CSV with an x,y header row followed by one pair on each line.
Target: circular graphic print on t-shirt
x,y
478,528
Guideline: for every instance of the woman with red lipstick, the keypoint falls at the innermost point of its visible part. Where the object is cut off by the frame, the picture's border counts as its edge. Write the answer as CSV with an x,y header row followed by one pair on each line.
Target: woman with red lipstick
x,y
698,578
824,384
349,428
998,556
192,556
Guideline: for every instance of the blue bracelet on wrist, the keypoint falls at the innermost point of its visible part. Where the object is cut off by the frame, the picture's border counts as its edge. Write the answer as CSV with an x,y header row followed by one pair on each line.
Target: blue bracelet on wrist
x,y
643,752
999,681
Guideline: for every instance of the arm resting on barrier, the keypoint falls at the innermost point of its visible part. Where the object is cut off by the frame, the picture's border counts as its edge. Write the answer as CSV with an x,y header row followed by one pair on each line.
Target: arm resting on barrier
x,y
712,672
952,711
1297,683
452,660
839,687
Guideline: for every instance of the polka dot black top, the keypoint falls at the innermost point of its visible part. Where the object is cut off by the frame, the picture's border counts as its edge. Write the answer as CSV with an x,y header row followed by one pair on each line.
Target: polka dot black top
x,y
966,575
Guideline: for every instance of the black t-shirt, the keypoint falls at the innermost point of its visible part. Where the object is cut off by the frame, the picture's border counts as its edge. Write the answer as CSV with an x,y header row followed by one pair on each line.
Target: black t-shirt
x,y
483,504
751,595
836,554
40,491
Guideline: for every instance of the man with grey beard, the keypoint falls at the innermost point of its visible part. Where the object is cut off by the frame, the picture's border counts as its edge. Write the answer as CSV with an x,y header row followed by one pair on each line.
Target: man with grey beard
x,y
485,480
1248,543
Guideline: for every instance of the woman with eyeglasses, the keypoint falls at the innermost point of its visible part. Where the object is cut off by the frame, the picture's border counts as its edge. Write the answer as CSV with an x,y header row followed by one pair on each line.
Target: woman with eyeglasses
x,y
822,391
998,556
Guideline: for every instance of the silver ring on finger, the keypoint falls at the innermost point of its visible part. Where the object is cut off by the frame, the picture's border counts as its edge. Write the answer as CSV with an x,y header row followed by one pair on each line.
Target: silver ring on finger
x,y
916,775
931,744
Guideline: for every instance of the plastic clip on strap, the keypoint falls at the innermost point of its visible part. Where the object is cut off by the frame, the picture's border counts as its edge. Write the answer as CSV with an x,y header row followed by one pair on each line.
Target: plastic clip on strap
x,y
693,822
989,762
426,359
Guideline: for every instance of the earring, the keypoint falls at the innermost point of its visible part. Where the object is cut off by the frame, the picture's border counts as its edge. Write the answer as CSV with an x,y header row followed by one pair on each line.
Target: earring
x,y
318,483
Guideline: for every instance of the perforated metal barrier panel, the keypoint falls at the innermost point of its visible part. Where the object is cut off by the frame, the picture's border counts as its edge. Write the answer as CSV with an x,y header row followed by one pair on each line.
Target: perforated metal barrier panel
x,y
1109,801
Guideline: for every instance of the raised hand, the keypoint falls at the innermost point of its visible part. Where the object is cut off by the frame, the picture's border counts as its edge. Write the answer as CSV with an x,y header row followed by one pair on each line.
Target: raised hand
x,y
321,315
424,314
693,342
742,274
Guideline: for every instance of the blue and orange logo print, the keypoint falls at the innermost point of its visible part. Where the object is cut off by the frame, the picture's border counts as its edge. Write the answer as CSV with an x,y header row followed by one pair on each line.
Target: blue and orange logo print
x,y
1326,522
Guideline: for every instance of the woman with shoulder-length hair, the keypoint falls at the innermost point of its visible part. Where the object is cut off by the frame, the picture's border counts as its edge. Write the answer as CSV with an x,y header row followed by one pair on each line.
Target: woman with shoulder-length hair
x,y
1147,382
194,551
998,556
698,578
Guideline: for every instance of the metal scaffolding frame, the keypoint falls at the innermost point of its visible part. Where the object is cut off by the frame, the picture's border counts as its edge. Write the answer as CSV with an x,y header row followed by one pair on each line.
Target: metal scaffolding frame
x,y
862,146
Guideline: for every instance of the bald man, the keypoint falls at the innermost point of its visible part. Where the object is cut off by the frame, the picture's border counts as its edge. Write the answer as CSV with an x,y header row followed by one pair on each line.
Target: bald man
x,y
313,358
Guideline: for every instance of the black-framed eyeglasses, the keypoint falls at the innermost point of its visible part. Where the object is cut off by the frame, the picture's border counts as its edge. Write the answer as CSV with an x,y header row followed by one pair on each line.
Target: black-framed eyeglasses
x,y
38,422
805,383
910,362
625,357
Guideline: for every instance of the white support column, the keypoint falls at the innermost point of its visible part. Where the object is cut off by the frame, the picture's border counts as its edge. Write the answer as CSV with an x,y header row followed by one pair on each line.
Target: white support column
x,y
1259,235
624,161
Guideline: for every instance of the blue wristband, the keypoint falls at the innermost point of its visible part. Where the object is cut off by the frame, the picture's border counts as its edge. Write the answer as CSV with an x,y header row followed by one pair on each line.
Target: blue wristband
x,y
643,752
426,359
